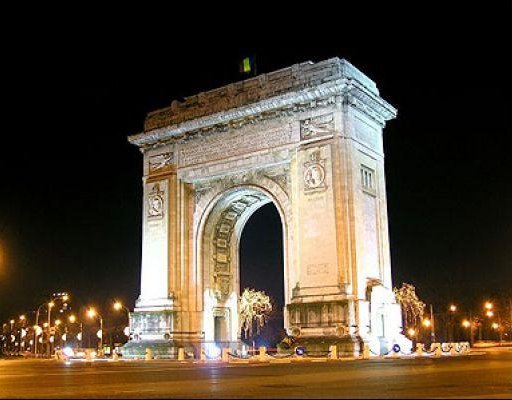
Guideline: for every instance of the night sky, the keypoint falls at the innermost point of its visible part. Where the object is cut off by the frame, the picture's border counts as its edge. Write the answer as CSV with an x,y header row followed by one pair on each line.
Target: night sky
x,y
70,193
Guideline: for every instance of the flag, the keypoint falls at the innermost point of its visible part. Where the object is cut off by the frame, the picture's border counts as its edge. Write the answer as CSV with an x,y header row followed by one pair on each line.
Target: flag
x,y
248,66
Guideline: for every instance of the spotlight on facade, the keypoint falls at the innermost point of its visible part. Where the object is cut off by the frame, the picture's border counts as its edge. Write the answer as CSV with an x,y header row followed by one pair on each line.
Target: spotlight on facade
x,y
453,308
488,305
411,332
426,323
466,323
489,313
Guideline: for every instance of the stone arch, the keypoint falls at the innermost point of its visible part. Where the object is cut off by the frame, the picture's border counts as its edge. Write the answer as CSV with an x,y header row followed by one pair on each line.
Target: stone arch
x,y
222,213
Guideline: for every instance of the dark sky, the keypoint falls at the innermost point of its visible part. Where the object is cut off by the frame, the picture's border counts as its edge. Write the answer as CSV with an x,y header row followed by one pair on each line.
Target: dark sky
x,y
70,194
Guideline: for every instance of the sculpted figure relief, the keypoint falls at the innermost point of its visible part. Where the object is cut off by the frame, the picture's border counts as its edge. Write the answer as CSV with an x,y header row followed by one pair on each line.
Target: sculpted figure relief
x,y
156,202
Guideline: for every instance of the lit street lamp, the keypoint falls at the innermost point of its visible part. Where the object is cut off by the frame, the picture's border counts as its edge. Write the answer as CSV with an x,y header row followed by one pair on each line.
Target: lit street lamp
x,y
92,313
79,336
50,304
120,306
453,309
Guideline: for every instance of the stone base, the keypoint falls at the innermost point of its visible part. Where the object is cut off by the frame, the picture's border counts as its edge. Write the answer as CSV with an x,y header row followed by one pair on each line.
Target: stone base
x,y
347,346
160,349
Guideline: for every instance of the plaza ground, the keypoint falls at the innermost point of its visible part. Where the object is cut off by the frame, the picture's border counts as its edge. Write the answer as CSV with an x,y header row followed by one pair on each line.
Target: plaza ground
x,y
484,374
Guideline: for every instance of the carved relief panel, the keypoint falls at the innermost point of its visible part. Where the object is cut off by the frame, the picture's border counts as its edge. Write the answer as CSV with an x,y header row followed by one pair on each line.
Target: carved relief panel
x,y
314,173
155,202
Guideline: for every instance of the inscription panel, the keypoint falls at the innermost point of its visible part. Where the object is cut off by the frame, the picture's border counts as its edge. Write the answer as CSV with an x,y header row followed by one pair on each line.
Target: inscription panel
x,y
233,143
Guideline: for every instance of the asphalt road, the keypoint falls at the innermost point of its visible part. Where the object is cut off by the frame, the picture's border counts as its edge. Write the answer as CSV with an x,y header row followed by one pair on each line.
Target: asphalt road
x,y
486,375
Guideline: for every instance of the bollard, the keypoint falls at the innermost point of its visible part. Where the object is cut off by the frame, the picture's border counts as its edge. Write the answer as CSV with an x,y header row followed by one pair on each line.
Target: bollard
x,y
181,354
393,353
333,352
149,354
115,356
263,353
366,351
419,349
203,355
225,354
437,349
453,349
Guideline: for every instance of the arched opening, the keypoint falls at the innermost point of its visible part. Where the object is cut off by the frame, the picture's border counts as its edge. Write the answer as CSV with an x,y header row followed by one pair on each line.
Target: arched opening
x,y
261,268
226,216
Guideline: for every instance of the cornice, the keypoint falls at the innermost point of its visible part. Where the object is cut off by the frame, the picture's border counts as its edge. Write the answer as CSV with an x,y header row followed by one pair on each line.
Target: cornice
x,y
347,91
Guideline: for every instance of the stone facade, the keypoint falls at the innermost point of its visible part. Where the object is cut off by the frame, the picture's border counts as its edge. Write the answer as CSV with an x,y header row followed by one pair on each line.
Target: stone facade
x,y
307,138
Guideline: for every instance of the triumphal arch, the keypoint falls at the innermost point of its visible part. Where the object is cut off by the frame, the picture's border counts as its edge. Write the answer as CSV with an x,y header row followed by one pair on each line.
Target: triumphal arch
x,y
307,138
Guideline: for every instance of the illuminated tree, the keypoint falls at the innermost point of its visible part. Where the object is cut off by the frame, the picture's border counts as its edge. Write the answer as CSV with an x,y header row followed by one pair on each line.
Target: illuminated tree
x,y
412,307
255,307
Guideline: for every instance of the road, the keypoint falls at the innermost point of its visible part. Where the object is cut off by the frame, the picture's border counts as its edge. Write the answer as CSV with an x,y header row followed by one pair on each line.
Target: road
x,y
486,375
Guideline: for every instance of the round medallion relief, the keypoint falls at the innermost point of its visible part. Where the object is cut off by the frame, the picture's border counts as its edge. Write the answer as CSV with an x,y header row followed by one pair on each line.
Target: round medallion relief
x,y
314,176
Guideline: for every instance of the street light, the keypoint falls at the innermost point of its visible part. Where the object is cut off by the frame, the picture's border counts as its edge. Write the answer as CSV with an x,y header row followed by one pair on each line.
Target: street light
x,y
92,313
466,323
119,306
489,313
50,304
488,305
451,324
79,336
426,323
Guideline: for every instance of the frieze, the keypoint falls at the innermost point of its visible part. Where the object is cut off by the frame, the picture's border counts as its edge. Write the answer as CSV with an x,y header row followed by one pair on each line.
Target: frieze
x,y
221,146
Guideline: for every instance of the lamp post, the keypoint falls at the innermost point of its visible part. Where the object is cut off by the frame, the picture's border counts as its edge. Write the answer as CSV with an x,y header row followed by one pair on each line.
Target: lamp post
x,y
451,331
91,313
120,306
72,319
12,345
48,343
50,304
430,323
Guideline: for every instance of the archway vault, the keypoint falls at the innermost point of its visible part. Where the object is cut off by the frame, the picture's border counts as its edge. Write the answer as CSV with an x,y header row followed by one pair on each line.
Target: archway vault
x,y
226,209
